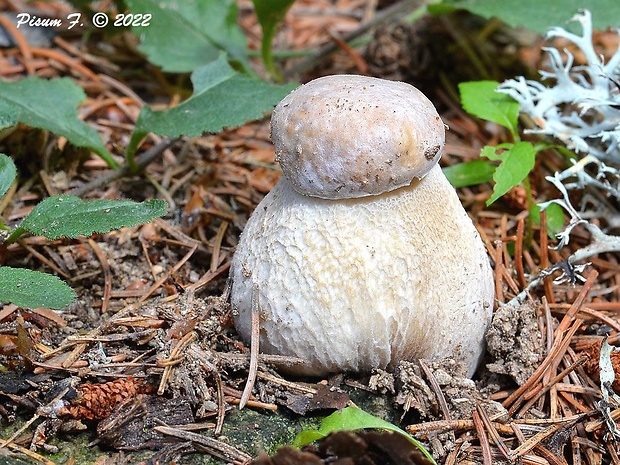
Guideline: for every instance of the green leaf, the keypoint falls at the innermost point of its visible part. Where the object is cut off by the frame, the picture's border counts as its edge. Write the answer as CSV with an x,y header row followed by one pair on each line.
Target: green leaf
x,y
554,215
32,289
182,36
351,419
469,173
516,163
540,15
270,13
51,105
222,98
8,173
69,216
480,99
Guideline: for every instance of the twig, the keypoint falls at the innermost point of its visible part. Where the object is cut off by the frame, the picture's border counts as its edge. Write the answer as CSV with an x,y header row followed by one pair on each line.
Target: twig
x,y
107,275
175,355
142,161
487,456
254,347
212,446
398,9
519,253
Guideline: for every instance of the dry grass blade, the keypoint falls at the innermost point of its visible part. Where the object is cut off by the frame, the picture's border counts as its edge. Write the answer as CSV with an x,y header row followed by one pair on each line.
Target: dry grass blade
x,y
254,348
212,446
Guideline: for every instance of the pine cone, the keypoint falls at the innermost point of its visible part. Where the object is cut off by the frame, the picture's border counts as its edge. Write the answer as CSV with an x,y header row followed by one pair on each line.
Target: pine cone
x,y
98,401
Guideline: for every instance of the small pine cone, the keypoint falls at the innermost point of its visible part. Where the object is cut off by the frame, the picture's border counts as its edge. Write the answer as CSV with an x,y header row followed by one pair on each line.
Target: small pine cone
x,y
398,53
98,401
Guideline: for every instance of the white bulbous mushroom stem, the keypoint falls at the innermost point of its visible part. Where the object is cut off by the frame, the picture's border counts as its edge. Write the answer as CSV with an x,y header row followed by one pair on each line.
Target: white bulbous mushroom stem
x,y
357,284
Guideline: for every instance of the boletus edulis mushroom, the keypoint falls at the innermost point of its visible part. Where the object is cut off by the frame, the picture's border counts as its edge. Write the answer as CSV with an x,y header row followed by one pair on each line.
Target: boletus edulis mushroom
x,y
362,254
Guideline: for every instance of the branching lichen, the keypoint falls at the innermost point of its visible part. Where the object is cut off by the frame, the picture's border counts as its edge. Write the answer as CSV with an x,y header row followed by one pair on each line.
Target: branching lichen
x,y
581,108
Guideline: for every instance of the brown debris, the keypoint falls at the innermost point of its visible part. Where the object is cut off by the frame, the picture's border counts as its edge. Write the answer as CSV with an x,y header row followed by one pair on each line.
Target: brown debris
x,y
350,448
162,287
98,401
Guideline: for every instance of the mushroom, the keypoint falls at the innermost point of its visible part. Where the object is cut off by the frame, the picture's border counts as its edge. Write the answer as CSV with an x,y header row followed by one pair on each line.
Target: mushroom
x,y
362,255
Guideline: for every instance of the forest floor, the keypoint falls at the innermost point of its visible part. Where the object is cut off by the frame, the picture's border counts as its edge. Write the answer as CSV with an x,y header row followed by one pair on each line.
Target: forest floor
x,y
146,366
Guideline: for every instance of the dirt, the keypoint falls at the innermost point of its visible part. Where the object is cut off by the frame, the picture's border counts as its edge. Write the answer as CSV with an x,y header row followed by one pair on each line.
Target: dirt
x,y
514,342
145,327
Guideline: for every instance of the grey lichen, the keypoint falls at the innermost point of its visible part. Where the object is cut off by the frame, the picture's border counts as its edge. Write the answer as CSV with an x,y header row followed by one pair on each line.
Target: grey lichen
x,y
581,108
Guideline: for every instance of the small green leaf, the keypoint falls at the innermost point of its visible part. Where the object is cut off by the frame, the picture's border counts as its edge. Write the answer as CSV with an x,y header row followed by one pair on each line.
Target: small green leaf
x,y
8,173
495,153
32,289
222,98
51,105
480,99
469,173
182,36
516,163
554,215
306,437
69,216
540,15
351,419
270,13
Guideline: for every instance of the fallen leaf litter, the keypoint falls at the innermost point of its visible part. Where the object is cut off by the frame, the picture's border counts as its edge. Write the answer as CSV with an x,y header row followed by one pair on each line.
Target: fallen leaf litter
x,y
68,369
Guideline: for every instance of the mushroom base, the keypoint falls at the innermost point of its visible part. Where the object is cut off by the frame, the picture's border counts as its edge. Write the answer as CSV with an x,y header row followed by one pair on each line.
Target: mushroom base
x,y
352,285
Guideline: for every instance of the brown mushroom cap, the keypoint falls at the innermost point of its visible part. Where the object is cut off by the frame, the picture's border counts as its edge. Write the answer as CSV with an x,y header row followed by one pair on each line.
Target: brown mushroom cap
x,y
348,136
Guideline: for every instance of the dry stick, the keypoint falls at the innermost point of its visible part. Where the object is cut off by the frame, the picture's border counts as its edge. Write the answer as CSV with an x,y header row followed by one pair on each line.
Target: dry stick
x,y
71,63
141,162
436,389
208,277
519,253
503,448
214,447
43,259
254,343
80,348
33,455
546,454
397,10
544,257
165,277
557,343
217,246
487,456
595,314
443,426
107,275
553,382
613,452
22,43
6,442
538,373
559,352
499,289
174,359
575,451
212,370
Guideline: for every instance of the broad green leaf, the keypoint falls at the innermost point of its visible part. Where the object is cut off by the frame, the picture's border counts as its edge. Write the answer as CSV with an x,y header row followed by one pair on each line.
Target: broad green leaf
x,y
32,289
69,216
351,419
516,163
480,99
270,13
540,15
8,173
469,173
554,215
222,98
184,35
495,153
51,105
